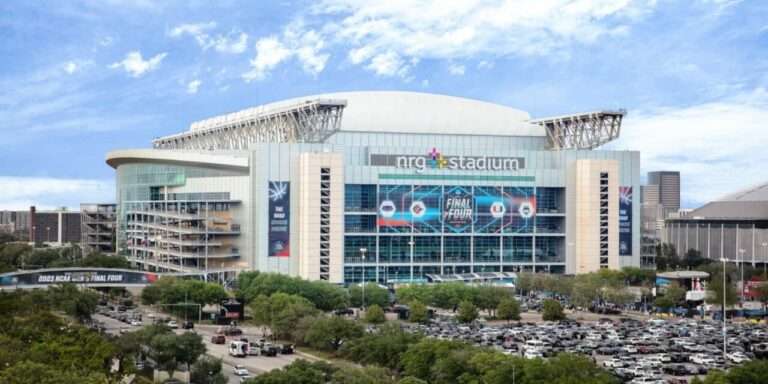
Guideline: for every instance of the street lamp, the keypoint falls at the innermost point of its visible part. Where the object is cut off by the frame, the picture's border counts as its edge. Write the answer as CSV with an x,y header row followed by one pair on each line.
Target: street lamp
x,y
48,234
363,250
765,259
725,338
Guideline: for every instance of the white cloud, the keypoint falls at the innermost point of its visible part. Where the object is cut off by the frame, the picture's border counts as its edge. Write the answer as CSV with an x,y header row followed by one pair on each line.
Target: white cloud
x,y
485,64
306,46
717,147
456,69
230,43
269,53
135,65
235,42
395,32
45,193
388,64
193,86
70,67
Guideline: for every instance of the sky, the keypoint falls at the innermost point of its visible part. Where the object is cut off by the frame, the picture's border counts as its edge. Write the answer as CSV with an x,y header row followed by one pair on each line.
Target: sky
x,y
80,78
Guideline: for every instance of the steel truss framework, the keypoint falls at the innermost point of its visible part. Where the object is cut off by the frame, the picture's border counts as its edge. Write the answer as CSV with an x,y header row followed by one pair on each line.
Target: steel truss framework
x,y
311,121
582,131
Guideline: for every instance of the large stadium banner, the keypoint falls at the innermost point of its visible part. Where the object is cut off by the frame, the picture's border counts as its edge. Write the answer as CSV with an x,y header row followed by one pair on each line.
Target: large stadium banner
x,y
458,209
625,221
490,209
425,208
521,209
394,215
279,219
77,276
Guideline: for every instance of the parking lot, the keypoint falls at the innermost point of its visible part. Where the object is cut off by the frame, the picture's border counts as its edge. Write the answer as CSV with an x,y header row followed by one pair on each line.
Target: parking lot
x,y
652,351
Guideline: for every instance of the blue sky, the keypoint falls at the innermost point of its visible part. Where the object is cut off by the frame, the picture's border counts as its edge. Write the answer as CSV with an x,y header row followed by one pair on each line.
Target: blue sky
x,y
81,78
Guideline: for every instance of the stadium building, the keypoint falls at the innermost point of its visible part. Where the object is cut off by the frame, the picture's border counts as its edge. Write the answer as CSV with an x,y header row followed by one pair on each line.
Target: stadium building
x,y
381,186
734,227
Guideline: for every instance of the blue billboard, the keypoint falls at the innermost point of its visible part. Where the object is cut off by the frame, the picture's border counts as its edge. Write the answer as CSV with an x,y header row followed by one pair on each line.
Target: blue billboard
x,y
279,219
625,221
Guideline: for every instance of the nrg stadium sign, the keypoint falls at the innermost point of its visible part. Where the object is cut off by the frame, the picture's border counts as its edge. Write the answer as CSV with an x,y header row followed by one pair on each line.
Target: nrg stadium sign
x,y
436,160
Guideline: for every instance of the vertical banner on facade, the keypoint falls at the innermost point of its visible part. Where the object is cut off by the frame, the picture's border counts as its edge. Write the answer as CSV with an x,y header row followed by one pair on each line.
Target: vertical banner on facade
x,y
279,219
458,209
625,221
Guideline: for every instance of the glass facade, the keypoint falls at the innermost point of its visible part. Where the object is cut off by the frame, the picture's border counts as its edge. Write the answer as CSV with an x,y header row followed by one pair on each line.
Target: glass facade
x,y
413,230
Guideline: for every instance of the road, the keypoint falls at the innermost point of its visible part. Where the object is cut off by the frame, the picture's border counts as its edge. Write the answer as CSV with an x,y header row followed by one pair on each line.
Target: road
x,y
254,364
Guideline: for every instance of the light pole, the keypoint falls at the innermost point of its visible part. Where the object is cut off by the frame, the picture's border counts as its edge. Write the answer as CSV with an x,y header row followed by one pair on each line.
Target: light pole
x,y
363,250
765,259
741,265
725,338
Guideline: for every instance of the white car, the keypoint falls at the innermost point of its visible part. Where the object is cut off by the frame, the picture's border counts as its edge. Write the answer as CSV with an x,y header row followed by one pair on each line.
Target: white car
x,y
241,371
613,363
245,378
702,359
738,357
173,324
136,323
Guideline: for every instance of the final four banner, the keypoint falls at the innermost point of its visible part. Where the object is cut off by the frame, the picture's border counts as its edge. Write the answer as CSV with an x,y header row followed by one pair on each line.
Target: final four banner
x,y
279,219
625,221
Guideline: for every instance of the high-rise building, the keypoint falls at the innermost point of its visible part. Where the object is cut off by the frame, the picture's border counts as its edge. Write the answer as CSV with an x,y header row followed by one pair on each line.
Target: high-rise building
x,y
664,188
97,227
14,221
381,186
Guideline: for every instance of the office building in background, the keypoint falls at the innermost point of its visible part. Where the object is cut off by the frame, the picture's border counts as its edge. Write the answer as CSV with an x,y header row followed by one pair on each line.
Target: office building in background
x,y
54,227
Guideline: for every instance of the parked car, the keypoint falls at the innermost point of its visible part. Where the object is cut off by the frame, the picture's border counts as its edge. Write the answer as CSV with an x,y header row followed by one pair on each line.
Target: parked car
x,y
286,349
218,339
188,324
172,324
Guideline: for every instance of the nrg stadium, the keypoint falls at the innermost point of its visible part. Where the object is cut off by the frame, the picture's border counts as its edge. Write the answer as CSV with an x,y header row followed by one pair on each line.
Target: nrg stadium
x,y
381,186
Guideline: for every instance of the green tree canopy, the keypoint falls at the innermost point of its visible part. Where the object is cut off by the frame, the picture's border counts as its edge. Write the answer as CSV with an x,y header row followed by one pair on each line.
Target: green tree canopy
x,y
322,294
207,370
467,312
330,332
381,348
374,295
552,310
418,312
375,315
508,309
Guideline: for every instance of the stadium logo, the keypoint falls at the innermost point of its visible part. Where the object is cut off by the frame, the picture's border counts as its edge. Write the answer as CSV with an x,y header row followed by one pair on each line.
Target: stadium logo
x,y
435,159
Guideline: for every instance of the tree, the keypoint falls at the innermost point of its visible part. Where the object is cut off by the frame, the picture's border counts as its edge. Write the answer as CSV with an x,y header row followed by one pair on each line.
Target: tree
x,y
671,296
552,310
420,358
467,312
375,315
189,347
418,313
365,375
715,290
298,372
752,372
524,282
508,309
322,294
384,348
374,295
281,312
207,370
411,380
330,332
163,351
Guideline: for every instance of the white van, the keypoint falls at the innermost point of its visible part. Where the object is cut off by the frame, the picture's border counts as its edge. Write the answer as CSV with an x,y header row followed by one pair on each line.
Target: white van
x,y
238,348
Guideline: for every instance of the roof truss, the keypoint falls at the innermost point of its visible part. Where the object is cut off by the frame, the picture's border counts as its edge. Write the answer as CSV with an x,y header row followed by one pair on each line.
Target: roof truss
x,y
582,131
310,121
